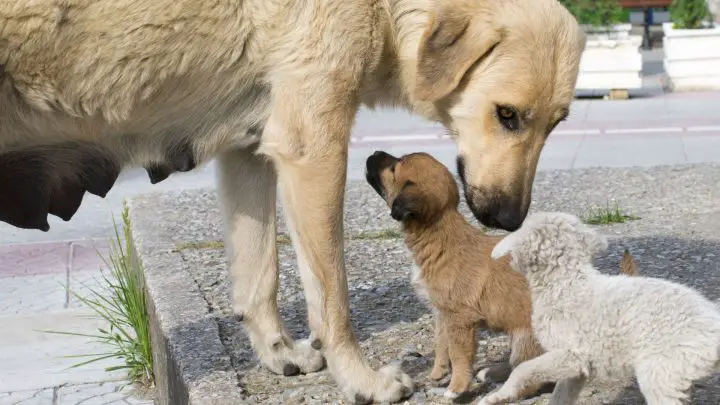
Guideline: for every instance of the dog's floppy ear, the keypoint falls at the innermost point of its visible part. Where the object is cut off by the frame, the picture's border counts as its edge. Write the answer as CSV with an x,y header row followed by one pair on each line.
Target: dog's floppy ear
x,y
452,42
506,245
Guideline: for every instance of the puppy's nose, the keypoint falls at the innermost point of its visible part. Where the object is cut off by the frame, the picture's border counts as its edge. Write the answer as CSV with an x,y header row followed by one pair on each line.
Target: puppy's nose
x,y
379,153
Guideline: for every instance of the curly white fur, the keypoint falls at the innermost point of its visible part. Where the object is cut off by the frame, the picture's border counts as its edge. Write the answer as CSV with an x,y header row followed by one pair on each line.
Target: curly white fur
x,y
602,327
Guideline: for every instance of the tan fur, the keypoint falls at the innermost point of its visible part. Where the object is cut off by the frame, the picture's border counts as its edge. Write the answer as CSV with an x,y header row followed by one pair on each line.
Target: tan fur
x,y
271,89
456,273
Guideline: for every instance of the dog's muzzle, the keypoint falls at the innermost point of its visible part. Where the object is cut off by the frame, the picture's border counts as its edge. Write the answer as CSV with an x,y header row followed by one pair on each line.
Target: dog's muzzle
x,y
374,165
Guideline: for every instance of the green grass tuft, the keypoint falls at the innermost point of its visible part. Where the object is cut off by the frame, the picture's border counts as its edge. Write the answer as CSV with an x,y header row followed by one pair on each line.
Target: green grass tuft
x,y
121,301
608,215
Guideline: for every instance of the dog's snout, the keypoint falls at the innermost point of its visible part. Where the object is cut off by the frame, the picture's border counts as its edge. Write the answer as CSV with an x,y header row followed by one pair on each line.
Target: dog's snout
x,y
496,210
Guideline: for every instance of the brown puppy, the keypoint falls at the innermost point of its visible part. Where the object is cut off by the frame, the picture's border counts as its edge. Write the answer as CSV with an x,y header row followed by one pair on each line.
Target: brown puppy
x,y
455,272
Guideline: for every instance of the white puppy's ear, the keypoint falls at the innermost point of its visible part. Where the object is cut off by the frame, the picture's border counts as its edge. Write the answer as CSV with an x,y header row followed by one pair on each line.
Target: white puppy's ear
x,y
505,246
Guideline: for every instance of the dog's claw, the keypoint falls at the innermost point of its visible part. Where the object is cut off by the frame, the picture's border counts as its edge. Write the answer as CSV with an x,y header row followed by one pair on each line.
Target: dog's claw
x,y
290,370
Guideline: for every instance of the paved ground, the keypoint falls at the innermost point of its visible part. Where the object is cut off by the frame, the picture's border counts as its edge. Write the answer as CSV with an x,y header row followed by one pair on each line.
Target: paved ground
x,y
652,128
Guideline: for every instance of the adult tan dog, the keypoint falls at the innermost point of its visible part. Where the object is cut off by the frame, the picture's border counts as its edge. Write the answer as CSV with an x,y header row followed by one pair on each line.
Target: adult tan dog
x,y
271,88
455,273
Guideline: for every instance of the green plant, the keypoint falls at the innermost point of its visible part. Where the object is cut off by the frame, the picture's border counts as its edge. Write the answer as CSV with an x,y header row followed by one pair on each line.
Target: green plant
x,y
597,13
607,215
689,14
121,302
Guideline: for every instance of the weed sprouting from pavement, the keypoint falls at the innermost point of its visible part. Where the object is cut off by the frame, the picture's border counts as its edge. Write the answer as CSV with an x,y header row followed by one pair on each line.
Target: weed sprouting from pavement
x,y
608,215
120,301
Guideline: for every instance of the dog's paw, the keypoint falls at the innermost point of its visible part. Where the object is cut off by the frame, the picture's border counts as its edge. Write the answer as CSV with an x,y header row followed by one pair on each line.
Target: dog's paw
x,y
302,356
389,384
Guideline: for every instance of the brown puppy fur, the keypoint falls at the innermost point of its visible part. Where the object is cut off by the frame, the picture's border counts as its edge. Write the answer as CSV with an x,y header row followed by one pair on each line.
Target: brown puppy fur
x,y
455,272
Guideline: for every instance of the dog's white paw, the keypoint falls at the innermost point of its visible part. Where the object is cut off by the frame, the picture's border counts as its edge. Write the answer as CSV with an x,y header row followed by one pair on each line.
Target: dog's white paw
x,y
481,376
301,356
389,384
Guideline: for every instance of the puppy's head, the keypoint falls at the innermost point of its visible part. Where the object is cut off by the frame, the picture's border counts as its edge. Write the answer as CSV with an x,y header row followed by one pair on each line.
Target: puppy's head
x,y
551,238
416,187
500,74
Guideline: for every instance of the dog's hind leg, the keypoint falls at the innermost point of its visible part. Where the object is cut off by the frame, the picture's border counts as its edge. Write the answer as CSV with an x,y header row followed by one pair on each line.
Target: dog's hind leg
x,y
248,198
310,154
549,367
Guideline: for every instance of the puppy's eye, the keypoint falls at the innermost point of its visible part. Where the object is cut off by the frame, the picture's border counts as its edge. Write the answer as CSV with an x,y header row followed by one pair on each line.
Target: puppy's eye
x,y
508,117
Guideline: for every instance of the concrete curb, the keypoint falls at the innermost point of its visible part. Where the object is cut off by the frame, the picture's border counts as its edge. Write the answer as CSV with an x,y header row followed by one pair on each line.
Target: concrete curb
x,y
191,364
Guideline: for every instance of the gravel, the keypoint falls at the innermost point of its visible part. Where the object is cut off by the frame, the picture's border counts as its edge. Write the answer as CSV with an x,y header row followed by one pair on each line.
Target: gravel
x,y
676,237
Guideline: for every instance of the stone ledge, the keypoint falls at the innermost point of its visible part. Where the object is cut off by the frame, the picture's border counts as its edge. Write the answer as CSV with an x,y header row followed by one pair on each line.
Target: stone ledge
x,y
203,357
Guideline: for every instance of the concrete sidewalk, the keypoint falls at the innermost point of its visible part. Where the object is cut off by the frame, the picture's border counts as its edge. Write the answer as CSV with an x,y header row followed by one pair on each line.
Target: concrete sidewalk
x,y
36,281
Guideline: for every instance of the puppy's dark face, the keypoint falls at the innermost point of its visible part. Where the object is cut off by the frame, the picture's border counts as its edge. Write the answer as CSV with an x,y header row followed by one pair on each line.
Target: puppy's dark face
x,y
415,186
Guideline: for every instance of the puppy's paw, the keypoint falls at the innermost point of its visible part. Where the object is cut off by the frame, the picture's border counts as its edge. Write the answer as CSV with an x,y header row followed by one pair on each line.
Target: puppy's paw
x,y
439,373
451,395
389,384
482,375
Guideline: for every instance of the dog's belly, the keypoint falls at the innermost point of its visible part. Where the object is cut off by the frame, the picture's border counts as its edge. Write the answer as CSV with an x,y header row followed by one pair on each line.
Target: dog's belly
x,y
49,160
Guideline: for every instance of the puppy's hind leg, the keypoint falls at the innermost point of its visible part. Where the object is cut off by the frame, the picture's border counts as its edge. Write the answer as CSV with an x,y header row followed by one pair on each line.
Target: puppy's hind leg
x,y
659,386
550,367
248,198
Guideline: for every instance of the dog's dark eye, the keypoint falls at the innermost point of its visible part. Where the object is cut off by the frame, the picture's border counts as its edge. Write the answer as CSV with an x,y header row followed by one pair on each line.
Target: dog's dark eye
x,y
508,117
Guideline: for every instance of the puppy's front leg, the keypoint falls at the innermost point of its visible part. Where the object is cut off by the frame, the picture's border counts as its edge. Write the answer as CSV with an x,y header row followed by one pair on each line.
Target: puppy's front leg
x,y
461,338
310,152
550,367
442,356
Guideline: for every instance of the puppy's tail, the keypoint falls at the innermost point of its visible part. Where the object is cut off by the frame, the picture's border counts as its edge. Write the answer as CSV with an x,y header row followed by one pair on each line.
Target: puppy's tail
x,y
628,265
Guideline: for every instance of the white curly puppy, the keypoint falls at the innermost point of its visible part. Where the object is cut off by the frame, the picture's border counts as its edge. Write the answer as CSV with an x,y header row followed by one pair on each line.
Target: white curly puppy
x,y
601,327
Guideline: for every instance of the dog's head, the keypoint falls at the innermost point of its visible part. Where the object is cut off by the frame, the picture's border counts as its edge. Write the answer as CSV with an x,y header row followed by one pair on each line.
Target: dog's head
x,y
500,74
416,187
551,238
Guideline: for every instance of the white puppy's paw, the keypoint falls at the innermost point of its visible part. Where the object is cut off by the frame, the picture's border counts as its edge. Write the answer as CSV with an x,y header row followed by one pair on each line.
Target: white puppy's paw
x,y
481,376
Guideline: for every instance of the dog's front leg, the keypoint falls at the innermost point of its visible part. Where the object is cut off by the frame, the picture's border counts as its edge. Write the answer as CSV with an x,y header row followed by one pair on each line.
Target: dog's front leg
x,y
441,367
310,154
248,187
462,347
550,367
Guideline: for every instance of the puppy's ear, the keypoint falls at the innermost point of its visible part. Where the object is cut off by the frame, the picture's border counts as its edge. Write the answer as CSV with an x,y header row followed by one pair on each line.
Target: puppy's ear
x,y
457,36
506,245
